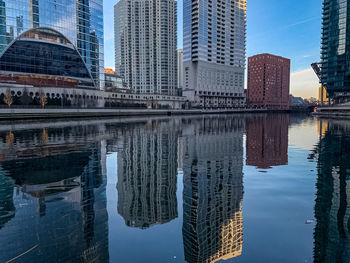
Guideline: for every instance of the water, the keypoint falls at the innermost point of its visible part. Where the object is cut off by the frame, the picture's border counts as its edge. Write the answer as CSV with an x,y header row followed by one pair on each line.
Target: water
x,y
241,188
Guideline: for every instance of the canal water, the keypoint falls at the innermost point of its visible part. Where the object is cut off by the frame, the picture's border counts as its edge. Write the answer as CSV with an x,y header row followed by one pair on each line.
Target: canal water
x,y
222,188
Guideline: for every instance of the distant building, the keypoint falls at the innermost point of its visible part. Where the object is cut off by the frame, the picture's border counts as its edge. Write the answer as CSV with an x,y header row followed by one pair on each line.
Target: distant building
x,y
267,140
145,45
180,74
335,45
114,83
214,41
322,95
109,71
298,102
268,82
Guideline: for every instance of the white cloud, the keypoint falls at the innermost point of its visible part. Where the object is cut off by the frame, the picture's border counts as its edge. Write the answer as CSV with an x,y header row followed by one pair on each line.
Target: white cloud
x,y
304,83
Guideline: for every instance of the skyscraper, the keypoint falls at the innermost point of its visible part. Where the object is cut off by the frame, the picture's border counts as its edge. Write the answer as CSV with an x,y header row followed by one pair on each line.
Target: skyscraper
x,y
335,49
214,52
145,45
80,21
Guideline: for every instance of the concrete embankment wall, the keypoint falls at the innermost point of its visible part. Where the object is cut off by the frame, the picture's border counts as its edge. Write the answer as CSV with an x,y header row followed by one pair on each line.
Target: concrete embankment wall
x,y
15,113
335,111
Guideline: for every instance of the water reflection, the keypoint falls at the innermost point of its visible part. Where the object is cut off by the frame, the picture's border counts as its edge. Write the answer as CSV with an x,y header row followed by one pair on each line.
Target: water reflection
x,y
332,207
267,140
179,175
213,189
52,198
147,165
7,208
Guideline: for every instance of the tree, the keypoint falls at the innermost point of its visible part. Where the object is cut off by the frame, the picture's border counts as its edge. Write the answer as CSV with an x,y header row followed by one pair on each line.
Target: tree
x,y
8,98
43,99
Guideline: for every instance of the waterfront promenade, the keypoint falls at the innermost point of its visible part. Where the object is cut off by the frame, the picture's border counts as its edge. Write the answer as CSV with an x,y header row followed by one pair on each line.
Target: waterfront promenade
x,y
23,113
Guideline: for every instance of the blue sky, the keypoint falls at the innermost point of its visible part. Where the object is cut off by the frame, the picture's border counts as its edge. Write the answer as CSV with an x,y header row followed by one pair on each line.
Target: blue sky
x,y
289,28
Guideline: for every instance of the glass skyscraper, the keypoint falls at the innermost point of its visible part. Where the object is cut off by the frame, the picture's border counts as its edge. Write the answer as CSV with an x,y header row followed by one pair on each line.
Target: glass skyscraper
x,y
81,21
335,49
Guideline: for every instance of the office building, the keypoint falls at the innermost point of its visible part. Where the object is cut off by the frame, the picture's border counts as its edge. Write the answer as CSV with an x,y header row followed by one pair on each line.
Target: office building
x,y
268,82
145,45
335,48
214,47
180,73
75,25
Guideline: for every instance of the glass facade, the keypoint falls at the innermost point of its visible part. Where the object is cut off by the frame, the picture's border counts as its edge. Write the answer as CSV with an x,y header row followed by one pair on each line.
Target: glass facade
x,y
43,51
335,48
81,21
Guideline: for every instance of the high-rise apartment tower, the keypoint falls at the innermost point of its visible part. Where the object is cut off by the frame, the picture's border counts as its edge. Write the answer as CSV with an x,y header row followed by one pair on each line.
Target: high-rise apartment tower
x,y
214,47
145,45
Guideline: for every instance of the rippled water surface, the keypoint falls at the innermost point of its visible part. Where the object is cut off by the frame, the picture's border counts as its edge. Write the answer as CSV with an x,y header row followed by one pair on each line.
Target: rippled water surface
x,y
240,188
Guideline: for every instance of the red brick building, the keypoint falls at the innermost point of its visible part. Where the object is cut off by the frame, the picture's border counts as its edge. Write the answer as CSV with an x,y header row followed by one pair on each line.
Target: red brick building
x,y
268,82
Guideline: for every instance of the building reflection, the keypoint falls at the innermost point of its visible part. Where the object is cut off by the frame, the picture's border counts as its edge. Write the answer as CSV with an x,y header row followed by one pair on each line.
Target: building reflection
x,y
53,195
7,208
213,188
332,205
267,140
147,174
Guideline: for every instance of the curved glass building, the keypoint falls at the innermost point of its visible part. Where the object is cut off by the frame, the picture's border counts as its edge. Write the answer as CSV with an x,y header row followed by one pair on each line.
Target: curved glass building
x,y
79,22
48,55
